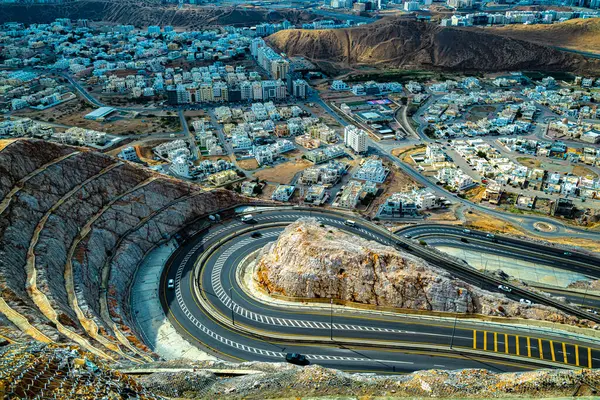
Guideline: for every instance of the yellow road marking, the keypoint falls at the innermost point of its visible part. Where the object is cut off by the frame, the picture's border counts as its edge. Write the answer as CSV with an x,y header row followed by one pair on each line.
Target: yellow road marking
x,y
485,340
577,355
496,341
474,339
541,349
564,349
552,350
506,343
589,357
528,346
517,341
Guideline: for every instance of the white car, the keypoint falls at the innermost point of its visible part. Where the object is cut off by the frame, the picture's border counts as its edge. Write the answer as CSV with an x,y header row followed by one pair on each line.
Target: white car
x,y
171,284
504,288
591,311
525,301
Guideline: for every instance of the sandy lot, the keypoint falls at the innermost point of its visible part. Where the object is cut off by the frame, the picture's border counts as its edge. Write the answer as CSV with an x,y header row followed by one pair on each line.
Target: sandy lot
x,y
283,173
248,165
72,113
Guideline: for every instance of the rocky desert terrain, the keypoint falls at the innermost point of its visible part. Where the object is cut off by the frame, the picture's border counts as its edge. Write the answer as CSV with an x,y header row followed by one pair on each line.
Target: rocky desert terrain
x,y
311,260
74,225
576,34
75,374
147,12
408,44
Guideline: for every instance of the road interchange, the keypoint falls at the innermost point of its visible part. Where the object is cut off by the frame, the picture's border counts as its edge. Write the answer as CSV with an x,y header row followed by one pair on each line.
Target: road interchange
x,y
246,328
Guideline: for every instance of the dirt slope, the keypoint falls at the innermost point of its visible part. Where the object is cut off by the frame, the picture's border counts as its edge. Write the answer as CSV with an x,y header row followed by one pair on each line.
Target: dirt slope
x,y
403,43
144,13
576,34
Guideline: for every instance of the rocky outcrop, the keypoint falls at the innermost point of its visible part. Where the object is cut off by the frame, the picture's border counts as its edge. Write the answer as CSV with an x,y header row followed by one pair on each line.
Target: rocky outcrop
x,y
408,44
86,220
71,369
311,260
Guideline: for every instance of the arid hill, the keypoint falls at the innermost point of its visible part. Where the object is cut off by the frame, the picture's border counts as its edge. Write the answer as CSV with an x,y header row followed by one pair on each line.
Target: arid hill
x,y
310,260
402,43
576,34
144,13
74,225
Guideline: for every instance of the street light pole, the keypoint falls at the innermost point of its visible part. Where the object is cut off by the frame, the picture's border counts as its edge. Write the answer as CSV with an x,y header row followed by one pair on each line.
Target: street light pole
x,y
232,313
331,318
453,332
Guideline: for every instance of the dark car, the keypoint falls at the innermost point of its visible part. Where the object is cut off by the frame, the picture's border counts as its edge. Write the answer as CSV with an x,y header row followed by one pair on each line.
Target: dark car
x,y
256,235
296,358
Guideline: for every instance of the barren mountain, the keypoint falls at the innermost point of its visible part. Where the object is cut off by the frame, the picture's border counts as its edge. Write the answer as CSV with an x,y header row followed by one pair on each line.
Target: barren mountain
x,y
403,43
144,13
74,225
576,34
313,261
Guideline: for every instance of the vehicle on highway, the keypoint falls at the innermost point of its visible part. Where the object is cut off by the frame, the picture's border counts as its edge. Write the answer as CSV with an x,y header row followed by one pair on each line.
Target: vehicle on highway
x,y
256,235
171,284
568,253
466,230
296,358
247,218
350,222
464,240
504,288
490,235
525,301
408,236
592,311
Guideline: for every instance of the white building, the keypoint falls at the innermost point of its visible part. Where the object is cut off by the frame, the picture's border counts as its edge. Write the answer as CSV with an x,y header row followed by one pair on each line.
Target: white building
x,y
372,170
455,178
128,154
355,138
283,193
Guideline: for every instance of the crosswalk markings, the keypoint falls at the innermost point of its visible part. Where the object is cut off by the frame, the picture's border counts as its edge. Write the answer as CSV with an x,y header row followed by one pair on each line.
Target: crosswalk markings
x,y
528,346
577,355
564,351
552,350
517,342
484,340
506,343
541,349
474,339
589,357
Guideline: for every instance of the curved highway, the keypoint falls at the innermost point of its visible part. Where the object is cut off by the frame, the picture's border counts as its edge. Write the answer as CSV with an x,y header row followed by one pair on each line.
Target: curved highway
x,y
479,242
212,310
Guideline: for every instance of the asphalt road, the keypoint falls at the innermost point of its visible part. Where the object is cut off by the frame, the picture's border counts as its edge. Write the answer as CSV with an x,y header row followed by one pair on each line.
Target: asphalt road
x,y
223,336
476,241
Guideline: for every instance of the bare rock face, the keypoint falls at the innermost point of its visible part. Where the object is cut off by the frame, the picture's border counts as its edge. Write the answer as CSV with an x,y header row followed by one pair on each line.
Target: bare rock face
x,y
313,261
310,260
95,218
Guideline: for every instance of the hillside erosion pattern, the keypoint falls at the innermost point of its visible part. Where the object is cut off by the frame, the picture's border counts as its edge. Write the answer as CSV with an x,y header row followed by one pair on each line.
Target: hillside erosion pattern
x,y
74,223
408,44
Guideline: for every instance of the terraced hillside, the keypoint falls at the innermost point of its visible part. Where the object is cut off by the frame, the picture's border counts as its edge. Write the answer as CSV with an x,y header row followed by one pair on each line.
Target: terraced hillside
x,y
74,225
